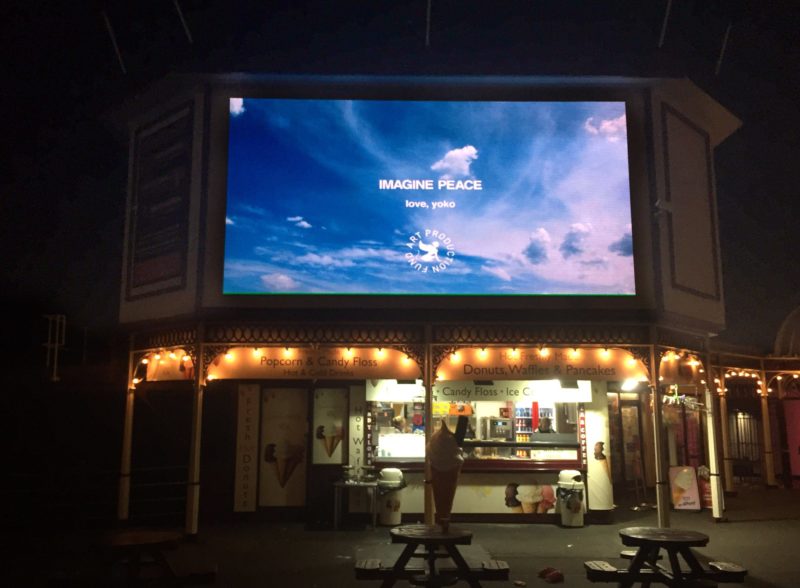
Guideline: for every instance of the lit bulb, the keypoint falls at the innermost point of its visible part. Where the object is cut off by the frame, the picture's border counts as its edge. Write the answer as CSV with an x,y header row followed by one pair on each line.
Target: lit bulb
x,y
145,361
136,381
779,378
186,358
544,352
256,352
229,356
455,356
172,355
157,356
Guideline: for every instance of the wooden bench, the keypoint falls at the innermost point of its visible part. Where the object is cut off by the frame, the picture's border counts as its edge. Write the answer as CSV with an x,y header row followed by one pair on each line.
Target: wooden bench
x,y
480,564
602,571
190,565
725,572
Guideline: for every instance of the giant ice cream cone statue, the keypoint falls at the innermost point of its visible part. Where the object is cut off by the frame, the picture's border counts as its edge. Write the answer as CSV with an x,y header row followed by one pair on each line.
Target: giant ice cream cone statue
x,y
445,459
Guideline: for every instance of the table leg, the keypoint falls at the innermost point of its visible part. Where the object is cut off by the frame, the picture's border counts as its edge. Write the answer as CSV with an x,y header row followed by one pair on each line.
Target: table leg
x,y
694,565
644,555
463,568
400,565
337,506
373,503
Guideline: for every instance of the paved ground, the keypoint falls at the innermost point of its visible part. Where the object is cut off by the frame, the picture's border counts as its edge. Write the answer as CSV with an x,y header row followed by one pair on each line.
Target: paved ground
x,y
762,533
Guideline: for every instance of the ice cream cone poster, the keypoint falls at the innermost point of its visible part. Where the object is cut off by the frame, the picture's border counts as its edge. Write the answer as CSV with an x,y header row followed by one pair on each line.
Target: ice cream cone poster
x,y
683,488
533,498
282,475
330,413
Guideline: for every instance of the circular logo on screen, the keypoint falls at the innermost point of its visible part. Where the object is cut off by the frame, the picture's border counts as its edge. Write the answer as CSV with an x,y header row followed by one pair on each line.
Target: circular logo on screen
x,y
429,251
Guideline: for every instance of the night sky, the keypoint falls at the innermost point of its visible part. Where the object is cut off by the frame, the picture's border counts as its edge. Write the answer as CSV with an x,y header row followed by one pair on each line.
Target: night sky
x,y
64,155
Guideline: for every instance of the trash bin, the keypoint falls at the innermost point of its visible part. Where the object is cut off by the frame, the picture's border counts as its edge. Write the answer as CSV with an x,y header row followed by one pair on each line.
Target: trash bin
x,y
570,498
390,484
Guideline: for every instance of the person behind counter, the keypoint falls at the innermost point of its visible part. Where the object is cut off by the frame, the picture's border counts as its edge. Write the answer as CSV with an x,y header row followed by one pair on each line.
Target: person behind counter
x,y
545,426
401,424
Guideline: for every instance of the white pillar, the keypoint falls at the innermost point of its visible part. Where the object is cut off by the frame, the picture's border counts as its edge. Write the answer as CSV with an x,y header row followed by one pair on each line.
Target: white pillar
x,y
662,481
428,373
193,483
727,460
124,490
769,459
599,488
124,496
717,494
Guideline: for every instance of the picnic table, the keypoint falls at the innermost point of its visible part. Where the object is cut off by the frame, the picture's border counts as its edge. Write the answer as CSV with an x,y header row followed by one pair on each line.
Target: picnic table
x,y
644,562
430,544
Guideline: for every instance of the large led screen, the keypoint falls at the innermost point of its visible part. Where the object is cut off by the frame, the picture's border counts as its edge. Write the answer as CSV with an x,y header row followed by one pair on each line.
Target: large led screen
x,y
427,197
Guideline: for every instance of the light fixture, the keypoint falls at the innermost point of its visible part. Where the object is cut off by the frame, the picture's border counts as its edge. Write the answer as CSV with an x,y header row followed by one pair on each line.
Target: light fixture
x,y
256,352
136,381
157,356
455,356
145,361
186,358
172,355
544,352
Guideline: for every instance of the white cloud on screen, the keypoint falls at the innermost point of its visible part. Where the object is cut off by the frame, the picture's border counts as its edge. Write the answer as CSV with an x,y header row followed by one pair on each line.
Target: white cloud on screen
x,y
456,162
613,129
237,106
324,260
229,221
294,219
303,224
498,272
278,281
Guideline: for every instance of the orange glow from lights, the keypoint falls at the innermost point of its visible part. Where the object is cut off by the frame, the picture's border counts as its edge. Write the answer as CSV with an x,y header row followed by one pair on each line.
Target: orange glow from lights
x,y
482,353
574,353
256,352
455,357
381,352
145,361
544,352
229,356
605,353
186,358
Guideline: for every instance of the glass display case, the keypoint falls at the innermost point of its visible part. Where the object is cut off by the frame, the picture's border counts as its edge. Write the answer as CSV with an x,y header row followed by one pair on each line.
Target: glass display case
x,y
499,435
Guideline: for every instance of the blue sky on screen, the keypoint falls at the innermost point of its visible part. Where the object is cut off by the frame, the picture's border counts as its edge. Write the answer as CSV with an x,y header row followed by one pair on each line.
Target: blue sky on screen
x,y
305,212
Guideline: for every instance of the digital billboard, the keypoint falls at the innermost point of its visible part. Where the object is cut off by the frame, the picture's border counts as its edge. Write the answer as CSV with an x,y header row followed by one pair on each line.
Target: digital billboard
x,y
404,197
